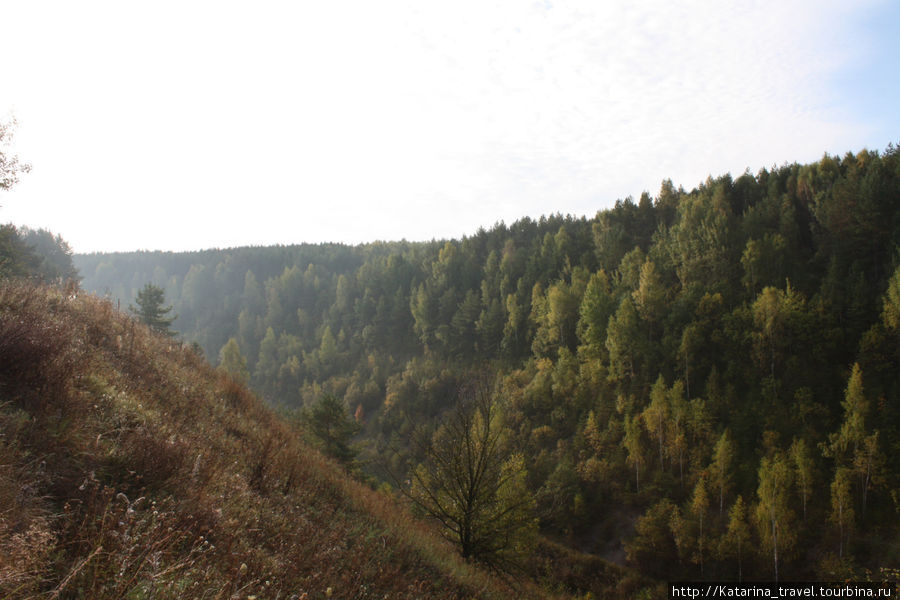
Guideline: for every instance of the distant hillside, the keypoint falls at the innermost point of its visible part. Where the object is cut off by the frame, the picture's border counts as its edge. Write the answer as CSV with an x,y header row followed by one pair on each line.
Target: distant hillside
x,y
129,468
687,376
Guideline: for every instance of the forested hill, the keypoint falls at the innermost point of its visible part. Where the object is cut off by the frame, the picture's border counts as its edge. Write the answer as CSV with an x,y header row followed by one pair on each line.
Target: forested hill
x,y
686,373
130,468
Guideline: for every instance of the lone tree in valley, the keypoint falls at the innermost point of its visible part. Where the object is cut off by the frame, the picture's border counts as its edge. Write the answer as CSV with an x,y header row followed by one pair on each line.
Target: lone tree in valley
x,y
332,428
473,483
150,309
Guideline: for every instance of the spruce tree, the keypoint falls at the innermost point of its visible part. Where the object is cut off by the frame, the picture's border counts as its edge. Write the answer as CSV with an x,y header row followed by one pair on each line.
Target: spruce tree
x,y
332,428
150,309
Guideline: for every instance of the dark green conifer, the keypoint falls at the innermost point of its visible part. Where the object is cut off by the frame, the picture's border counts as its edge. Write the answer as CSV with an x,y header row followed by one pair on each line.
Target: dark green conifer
x,y
150,309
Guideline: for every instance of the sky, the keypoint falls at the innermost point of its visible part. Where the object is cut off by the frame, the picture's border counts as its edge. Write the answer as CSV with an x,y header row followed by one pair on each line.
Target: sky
x,y
189,125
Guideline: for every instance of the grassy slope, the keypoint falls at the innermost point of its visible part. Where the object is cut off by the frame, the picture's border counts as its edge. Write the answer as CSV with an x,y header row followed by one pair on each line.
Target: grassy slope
x,y
131,469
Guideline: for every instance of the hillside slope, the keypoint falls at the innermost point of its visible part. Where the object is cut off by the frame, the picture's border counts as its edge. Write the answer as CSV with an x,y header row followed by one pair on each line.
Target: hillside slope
x,y
129,468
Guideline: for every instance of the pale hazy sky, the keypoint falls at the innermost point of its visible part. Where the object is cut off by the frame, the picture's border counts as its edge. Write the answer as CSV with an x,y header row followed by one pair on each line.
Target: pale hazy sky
x,y
188,125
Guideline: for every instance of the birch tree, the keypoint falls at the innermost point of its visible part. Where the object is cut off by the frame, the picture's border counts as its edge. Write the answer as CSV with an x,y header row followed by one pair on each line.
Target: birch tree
x,y
473,483
842,506
737,536
774,518
720,469
804,468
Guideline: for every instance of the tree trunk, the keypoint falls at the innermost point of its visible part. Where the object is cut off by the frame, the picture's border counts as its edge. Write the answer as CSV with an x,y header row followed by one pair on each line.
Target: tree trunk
x,y
841,530
700,543
775,546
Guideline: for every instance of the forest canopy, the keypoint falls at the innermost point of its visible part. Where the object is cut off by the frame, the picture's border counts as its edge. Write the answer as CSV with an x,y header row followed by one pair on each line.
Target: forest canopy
x,y
702,383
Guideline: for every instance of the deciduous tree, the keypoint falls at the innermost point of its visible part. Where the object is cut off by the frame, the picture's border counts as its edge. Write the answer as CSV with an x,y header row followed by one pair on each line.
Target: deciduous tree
x,y
720,469
699,507
623,341
844,443
774,517
634,444
473,483
804,468
737,536
233,362
10,166
657,415
596,308
868,462
891,304
842,505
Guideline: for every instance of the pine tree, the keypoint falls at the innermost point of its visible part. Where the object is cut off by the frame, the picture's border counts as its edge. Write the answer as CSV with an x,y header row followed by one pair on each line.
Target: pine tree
x,y
16,258
150,309
332,428
692,341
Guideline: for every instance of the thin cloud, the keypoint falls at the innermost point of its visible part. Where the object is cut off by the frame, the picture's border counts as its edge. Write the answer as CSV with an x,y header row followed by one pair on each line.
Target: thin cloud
x,y
194,125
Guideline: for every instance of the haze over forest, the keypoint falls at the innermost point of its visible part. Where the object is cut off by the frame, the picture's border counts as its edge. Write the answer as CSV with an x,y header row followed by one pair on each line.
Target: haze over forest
x,y
657,365
399,338
695,384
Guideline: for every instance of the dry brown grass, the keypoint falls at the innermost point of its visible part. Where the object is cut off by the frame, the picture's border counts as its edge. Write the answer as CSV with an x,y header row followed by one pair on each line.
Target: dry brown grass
x,y
129,468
